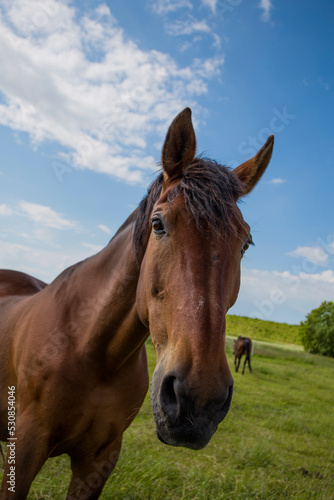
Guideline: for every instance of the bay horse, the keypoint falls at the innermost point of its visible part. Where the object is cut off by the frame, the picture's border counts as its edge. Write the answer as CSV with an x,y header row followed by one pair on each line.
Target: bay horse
x,y
72,353
242,346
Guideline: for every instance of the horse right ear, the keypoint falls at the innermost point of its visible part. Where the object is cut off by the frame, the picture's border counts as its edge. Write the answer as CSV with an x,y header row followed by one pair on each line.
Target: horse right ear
x,y
250,172
180,145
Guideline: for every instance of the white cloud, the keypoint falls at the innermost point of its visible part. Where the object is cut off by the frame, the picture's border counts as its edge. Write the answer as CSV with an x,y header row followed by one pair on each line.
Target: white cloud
x,y
277,180
102,112
166,6
211,4
104,228
210,67
94,248
44,264
217,41
282,296
195,30
188,27
46,251
315,255
266,6
5,209
44,216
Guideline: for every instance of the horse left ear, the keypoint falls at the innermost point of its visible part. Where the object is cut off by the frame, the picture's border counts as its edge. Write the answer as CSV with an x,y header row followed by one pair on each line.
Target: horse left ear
x,y
250,172
180,145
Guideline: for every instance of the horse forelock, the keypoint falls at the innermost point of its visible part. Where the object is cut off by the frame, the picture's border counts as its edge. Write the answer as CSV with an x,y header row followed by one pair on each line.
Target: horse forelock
x,y
210,194
211,191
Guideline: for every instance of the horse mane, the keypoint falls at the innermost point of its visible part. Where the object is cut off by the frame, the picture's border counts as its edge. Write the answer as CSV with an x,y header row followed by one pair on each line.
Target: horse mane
x,y
210,193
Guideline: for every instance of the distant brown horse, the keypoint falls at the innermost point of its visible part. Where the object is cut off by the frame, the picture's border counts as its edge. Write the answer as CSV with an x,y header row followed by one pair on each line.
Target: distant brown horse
x,y
72,353
242,346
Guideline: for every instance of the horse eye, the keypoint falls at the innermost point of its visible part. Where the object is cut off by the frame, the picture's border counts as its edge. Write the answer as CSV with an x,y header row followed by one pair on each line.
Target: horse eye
x,y
158,227
246,245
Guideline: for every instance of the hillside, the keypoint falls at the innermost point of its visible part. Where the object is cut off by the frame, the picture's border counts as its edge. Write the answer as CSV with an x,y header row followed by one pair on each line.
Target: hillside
x,y
258,329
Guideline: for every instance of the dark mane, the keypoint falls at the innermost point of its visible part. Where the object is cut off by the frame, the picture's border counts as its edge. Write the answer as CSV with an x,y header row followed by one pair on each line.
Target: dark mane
x,y
210,192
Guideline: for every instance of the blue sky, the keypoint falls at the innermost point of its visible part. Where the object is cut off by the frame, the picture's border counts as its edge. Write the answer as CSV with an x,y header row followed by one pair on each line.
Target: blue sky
x,y
88,89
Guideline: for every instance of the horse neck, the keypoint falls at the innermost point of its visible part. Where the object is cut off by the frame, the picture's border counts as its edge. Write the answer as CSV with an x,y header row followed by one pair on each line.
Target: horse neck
x,y
99,299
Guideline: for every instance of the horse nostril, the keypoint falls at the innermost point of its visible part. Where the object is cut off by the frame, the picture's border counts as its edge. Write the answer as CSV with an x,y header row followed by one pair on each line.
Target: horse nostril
x,y
168,396
177,405
228,400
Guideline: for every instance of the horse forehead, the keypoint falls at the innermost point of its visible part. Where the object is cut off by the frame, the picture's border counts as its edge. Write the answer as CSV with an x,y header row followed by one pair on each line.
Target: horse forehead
x,y
196,237
168,204
202,237
176,210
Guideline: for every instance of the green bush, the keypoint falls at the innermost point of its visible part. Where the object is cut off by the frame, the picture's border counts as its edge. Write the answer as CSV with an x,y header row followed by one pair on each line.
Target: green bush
x,y
317,331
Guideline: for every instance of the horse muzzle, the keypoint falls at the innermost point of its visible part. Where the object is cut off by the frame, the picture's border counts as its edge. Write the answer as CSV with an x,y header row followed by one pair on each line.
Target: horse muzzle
x,y
180,421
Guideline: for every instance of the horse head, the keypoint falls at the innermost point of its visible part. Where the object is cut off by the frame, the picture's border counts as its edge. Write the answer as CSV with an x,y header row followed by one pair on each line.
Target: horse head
x,y
189,278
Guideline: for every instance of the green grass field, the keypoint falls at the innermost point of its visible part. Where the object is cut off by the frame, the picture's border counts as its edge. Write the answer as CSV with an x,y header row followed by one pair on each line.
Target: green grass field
x,y
267,331
277,441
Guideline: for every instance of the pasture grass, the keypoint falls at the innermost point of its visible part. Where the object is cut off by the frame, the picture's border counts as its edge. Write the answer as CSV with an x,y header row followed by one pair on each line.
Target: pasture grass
x,y
277,442
258,329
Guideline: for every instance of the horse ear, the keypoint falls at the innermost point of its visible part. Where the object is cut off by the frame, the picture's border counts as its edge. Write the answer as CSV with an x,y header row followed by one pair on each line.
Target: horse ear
x,y
250,172
180,145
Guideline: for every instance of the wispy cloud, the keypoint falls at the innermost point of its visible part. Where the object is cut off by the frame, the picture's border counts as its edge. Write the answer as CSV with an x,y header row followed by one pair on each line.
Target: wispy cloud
x,y
166,6
44,216
266,6
211,4
40,240
94,248
95,109
277,180
315,255
45,264
194,30
104,228
5,209
188,27
282,296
